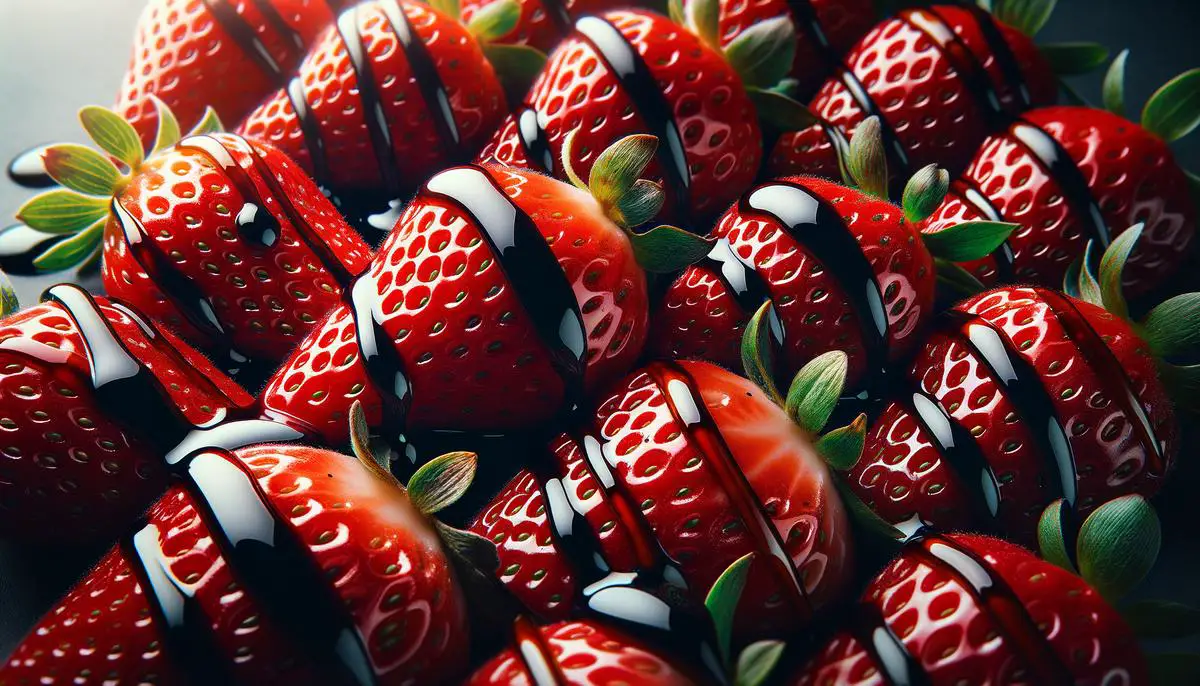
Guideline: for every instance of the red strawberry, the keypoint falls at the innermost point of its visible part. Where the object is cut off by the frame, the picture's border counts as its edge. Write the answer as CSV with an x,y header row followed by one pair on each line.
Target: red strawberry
x,y
93,396
541,23
683,469
221,238
941,78
391,94
970,609
1025,395
218,53
1069,175
274,564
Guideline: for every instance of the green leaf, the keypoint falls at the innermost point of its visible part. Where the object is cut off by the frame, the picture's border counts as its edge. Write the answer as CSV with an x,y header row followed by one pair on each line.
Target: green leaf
x,y
1026,16
1173,669
1069,59
8,296
1070,284
73,250
439,483
617,169
1172,329
675,11
1183,384
1052,540
924,192
704,18
81,169
968,241
666,249
867,519
378,462
780,111
1088,286
756,662
209,123
1113,90
956,279
758,352
516,65
91,264
1161,619
450,8
842,447
1112,266
168,127
62,211
816,389
1174,110
763,54
112,134
643,202
495,20
1118,544
867,161
722,601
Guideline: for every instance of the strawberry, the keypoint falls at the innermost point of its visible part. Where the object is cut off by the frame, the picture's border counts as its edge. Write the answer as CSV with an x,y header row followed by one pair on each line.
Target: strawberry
x,y
93,396
964,608
1068,175
940,78
271,564
843,268
1023,395
541,24
221,238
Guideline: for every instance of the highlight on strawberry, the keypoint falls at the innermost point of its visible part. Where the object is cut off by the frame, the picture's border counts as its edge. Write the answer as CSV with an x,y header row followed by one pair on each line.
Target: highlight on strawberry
x,y
1070,176
218,237
540,24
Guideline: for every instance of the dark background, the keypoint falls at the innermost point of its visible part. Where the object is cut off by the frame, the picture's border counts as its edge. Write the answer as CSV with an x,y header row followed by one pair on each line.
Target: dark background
x,y
58,55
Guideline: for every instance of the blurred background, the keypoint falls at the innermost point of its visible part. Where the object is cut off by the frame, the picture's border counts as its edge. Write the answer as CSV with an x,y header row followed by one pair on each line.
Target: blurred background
x,y
59,55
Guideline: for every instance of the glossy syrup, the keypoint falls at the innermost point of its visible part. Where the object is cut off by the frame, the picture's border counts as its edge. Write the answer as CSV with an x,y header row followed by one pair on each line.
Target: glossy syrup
x,y
243,33
20,245
973,197
368,94
804,16
742,281
310,130
559,16
383,363
964,62
894,663
534,142
898,162
27,169
1058,165
1002,52
540,662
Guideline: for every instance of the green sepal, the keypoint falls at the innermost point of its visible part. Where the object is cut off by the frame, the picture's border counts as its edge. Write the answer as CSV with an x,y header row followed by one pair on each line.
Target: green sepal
x,y
516,65
758,353
1183,384
1112,267
780,111
62,211
815,390
1118,544
1161,619
1087,285
494,20
1052,540
842,447
722,601
866,162
614,180
675,11
1070,284
1172,329
1174,110
91,264
866,518
8,296
1173,669
113,134
377,461
168,133
450,8
756,662
71,251
1113,89
956,279
924,192
81,169
642,202
763,54
475,560
666,249
1069,59
703,18
209,123
439,483
968,241
1026,16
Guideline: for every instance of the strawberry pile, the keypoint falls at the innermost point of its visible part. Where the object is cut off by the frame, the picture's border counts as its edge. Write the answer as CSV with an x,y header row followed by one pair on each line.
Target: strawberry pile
x,y
647,370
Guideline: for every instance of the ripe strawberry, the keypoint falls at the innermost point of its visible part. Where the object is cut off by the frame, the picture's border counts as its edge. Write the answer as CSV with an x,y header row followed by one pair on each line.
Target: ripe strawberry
x,y
971,609
1069,175
940,78
388,96
274,564
93,396
541,24
223,239
1023,395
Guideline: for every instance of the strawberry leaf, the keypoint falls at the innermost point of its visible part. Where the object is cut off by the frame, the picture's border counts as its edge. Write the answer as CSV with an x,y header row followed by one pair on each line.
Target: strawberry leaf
x,y
516,65
722,601
666,249
1118,544
842,447
763,54
1052,540
924,192
1026,16
495,20
617,170
675,11
81,169
73,250
968,241
450,8
756,662
8,297
378,462
780,111
957,280
1172,329
703,19
758,351
1069,59
209,123
816,389
168,126
1112,266
867,162
112,134
62,211
1161,619
642,202
867,519
440,482
1113,90
1088,286
1174,110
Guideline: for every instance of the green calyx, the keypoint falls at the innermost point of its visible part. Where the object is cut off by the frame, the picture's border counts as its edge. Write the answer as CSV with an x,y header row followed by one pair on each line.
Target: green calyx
x,y
755,663
815,390
923,193
967,241
1171,112
1026,16
1070,59
762,54
1029,17
91,178
865,165
515,65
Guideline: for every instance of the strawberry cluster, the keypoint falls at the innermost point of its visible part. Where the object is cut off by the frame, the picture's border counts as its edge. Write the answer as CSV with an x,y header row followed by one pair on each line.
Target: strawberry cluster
x,y
646,367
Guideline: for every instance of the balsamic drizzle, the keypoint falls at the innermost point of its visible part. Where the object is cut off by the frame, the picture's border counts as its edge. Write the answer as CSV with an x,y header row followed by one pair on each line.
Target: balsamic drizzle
x,y
740,278
891,658
1001,51
804,15
310,129
893,148
556,11
531,647
242,32
970,194
348,27
534,142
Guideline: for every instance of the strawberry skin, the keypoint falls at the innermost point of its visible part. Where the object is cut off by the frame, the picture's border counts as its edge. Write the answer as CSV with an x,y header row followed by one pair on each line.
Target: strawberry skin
x,y
692,496
77,465
679,89
1074,367
368,548
929,73
363,86
810,280
478,350
971,609
178,246
1108,168
542,23
217,53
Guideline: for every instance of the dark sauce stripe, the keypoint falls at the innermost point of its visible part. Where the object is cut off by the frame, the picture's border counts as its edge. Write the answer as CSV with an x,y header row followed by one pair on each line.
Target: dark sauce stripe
x,y
971,195
384,365
804,16
1000,50
891,658
310,129
968,67
540,662
1057,164
244,34
534,142
740,278
556,12
275,19
348,27
893,148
